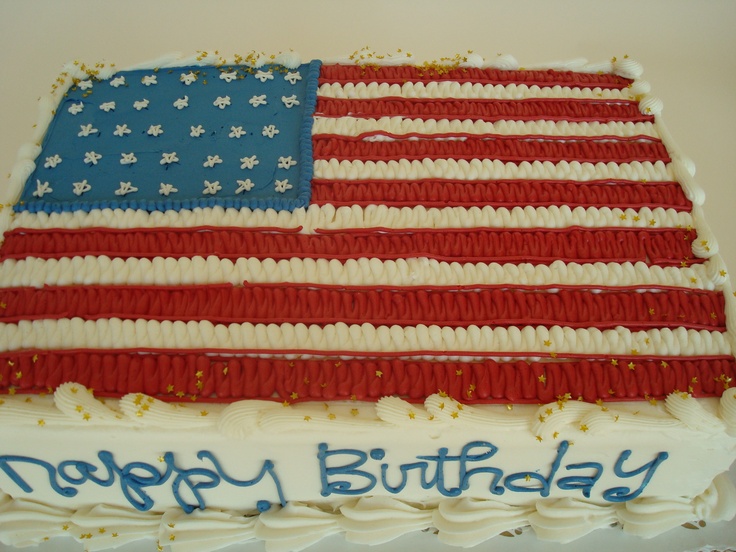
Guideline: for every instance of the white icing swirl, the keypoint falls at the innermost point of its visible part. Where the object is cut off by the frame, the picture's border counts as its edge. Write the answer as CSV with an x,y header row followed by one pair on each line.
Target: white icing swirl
x,y
683,407
378,520
468,522
295,526
567,519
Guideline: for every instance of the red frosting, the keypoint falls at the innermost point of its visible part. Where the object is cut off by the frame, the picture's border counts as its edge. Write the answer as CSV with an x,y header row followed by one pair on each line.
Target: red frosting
x,y
192,376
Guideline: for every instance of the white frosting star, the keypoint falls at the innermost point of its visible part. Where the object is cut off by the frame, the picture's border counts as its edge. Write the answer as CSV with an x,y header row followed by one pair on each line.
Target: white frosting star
x,y
128,158
270,131
81,187
229,76
292,77
263,76
149,80
255,101
212,160
52,161
121,130
188,78
86,130
85,84
286,162
237,132
196,132
141,104
181,103
290,101
168,158
282,185
76,108
107,107
155,130
244,185
125,188
117,81
166,189
222,102
91,157
42,188
249,162
211,188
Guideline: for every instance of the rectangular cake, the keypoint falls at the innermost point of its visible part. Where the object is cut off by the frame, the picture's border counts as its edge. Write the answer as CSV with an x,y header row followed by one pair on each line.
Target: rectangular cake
x,y
261,298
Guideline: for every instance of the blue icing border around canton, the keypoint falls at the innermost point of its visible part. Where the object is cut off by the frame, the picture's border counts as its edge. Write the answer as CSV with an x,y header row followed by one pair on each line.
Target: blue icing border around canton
x,y
188,173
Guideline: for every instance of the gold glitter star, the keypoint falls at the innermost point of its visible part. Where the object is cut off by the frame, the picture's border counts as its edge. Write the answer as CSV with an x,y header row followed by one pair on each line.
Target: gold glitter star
x,y
631,365
614,362
294,395
583,428
542,379
379,373
412,415
169,388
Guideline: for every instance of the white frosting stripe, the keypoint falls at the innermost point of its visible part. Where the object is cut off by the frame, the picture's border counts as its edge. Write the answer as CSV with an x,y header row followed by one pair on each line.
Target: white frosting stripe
x,y
487,169
400,126
102,270
330,217
113,333
466,90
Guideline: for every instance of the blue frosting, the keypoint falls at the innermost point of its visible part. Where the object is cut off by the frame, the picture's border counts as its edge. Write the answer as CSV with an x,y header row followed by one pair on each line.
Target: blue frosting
x,y
137,149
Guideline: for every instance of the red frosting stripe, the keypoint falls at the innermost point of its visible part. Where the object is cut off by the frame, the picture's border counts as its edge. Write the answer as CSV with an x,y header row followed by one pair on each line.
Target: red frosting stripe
x,y
401,74
546,109
310,304
501,193
190,376
506,149
662,247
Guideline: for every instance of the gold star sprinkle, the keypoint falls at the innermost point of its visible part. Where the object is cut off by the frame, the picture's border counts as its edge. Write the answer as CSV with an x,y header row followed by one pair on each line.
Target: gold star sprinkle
x,y
294,395
379,373
542,378
307,418
664,364
41,423
651,312
331,416
412,415
354,411
458,372
169,388
614,362
631,365
583,428
548,343
203,413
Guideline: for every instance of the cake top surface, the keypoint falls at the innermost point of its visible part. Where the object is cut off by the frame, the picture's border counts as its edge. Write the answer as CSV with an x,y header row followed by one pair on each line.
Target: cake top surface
x,y
476,217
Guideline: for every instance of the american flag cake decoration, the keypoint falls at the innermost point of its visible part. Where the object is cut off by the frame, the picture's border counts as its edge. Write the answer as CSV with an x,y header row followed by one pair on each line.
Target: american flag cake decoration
x,y
497,235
